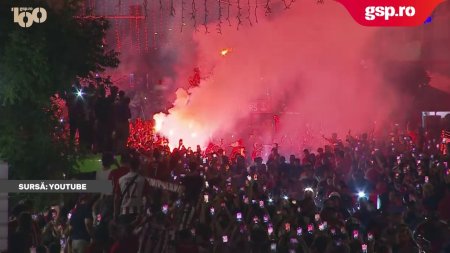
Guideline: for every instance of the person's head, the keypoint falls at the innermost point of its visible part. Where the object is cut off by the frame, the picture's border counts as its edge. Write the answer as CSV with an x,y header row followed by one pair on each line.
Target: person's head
x,y
291,159
18,209
125,159
404,234
82,199
121,94
101,91
364,136
334,136
41,249
107,160
428,190
185,235
24,222
330,180
306,152
54,247
384,248
135,163
114,90
338,247
28,204
320,243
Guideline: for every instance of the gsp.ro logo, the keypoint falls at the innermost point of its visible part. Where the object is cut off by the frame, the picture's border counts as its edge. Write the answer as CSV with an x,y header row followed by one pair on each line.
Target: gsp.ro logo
x,y
26,16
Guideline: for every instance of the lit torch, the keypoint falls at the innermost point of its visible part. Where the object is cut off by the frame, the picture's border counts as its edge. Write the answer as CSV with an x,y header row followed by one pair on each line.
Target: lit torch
x,y
225,51
159,119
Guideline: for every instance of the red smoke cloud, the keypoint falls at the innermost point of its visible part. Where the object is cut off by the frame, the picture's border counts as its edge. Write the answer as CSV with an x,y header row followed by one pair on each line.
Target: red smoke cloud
x,y
311,59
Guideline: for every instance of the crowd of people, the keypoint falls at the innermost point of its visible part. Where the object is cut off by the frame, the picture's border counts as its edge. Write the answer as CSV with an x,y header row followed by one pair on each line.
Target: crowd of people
x,y
357,195
100,122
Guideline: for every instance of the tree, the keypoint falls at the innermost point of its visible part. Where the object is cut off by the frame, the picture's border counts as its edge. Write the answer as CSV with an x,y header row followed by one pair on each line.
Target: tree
x,y
38,64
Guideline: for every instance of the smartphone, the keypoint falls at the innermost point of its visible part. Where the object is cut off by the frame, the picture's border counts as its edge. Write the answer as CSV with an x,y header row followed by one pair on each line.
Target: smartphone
x,y
206,198
310,228
239,216
165,209
273,247
355,234
211,210
270,230
261,204
321,227
225,239
299,231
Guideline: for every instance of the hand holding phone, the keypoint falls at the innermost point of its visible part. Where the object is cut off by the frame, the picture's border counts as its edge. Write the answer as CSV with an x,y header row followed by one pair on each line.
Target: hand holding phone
x,y
270,230
364,248
299,231
310,228
355,234
370,237
239,216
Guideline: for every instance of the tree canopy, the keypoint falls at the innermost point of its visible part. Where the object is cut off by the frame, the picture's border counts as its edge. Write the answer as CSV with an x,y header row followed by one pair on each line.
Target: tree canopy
x,y
36,65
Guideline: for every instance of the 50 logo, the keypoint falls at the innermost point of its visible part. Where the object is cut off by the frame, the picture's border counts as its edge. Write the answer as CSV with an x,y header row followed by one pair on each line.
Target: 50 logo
x,y
26,16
